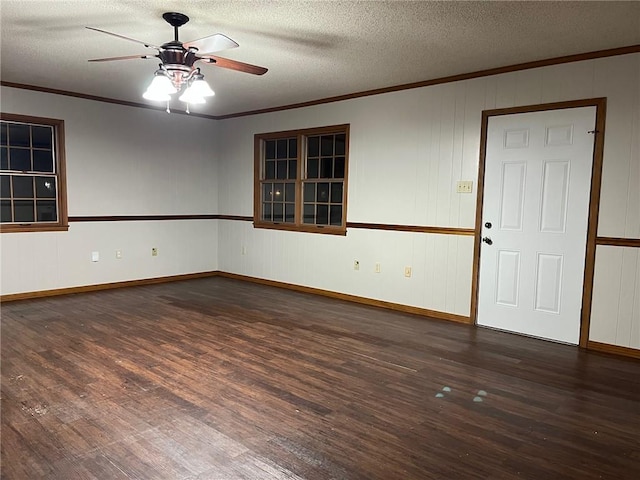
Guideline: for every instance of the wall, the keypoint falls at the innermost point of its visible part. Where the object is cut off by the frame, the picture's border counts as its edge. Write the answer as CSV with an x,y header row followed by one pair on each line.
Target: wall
x,y
408,149
120,161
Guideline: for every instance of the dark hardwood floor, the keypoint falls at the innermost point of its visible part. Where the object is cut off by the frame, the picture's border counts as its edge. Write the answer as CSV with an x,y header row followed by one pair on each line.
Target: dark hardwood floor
x,y
221,379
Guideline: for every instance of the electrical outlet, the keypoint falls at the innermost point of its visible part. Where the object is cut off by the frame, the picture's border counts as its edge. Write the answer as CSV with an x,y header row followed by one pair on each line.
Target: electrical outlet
x,y
154,252
118,254
378,267
465,186
407,271
356,265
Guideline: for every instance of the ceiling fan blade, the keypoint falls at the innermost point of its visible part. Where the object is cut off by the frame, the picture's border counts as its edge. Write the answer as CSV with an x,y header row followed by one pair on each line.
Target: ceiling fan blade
x,y
234,65
126,57
146,44
212,43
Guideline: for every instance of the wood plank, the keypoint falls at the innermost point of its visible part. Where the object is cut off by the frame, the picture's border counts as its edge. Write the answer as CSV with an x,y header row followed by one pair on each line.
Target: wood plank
x,y
217,378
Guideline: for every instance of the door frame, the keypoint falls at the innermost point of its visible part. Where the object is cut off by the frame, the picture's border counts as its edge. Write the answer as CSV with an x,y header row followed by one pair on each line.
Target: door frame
x,y
594,201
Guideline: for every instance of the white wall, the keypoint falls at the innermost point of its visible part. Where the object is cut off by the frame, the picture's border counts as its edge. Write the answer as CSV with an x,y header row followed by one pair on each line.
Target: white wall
x,y
408,149
120,161
615,316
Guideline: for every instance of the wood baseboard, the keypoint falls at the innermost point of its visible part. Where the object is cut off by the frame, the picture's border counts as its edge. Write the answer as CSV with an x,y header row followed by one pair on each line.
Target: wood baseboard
x,y
614,349
189,276
353,298
595,346
103,286
298,288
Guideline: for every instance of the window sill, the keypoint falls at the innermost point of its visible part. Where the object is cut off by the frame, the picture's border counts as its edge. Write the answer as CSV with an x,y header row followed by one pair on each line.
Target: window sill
x,y
327,230
33,228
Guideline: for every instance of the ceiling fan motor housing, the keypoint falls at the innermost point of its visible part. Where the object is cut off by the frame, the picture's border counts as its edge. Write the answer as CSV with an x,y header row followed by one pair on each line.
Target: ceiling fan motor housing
x,y
175,58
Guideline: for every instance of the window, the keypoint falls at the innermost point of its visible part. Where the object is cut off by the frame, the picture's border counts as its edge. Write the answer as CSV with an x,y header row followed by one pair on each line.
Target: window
x,y
301,180
32,181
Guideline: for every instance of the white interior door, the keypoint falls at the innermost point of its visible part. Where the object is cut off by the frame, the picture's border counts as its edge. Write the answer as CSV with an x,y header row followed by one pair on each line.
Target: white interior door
x,y
535,213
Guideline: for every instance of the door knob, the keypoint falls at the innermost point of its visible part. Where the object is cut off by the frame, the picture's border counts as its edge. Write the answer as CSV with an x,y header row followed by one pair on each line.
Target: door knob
x,y
487,240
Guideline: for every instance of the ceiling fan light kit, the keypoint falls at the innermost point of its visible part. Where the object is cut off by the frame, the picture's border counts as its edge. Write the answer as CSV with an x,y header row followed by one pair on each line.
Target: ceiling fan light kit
x,y
177,69
167,82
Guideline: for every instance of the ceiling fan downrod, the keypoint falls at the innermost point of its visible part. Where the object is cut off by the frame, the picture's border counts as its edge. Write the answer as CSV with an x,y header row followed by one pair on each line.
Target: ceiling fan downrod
x,y
176,20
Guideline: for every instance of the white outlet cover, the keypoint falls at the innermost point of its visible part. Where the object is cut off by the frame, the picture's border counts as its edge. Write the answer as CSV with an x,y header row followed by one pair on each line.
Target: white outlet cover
x,y
95,256
464,186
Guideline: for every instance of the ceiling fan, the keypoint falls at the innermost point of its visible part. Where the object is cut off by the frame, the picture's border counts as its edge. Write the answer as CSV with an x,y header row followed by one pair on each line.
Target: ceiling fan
x,y
178,59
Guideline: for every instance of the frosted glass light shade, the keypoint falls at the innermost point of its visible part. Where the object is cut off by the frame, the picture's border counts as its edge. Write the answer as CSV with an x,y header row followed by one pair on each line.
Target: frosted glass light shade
x,y
159,89
156,96
201,88
161,83
190,97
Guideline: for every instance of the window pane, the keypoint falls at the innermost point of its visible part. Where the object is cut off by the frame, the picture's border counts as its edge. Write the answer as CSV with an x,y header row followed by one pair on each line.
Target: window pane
x,y
293,147
323,215
281,149
338,171
290,192
5,211
46,210
19,159
3,133
270,170
4,158
45,187
312,168
326,168
336,192
41,137
309,214
267,192
326,145
43,161
293,169
323,193
278,212
289,212
281,170
313,147
19,135
278,192
5,186
266,212
309,192
23,211
270,149
22,187
335,217
340,144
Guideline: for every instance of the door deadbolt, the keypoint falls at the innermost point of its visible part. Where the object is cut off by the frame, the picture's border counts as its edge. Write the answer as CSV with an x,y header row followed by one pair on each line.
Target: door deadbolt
x,y
488,225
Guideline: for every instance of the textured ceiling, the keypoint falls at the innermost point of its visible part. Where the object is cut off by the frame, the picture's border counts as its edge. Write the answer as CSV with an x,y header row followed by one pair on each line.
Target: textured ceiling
x,y
313,49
